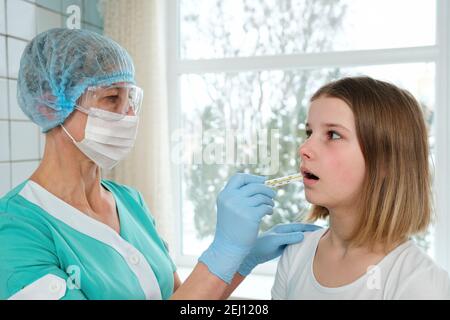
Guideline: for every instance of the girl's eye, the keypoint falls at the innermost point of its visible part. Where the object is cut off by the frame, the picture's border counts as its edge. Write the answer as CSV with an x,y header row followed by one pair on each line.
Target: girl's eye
x,y
332,134
308,133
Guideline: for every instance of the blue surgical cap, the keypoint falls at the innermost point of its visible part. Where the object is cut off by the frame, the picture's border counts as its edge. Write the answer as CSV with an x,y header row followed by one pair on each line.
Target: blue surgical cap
x,y
59,64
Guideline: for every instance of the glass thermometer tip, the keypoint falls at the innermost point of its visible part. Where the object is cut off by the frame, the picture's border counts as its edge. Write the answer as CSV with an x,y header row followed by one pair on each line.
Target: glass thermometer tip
x,y
279,182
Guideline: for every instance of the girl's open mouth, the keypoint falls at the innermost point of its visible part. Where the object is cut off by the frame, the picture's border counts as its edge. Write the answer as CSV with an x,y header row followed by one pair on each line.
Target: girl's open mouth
x,y
309,178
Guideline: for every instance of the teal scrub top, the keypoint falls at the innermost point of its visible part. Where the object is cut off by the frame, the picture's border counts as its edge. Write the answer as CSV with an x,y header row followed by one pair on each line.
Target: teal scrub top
x,y
50,250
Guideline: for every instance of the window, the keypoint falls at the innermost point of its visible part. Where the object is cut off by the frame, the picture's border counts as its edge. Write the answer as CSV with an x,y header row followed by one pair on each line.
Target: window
x,y
241,74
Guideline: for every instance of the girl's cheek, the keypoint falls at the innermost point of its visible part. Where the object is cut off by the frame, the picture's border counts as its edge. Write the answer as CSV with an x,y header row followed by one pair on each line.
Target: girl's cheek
x,y
346,168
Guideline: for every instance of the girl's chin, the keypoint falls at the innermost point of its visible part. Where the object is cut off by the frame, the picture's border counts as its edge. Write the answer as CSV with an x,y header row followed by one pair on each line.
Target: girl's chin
x,y
312,200
315,201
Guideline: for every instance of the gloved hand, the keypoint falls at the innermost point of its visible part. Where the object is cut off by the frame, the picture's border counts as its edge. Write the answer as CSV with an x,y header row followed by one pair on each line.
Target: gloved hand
x,y
271,244
241,205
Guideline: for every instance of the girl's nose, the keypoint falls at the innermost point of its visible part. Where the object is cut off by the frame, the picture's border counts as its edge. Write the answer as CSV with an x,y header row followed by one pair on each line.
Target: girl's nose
x,y
305,151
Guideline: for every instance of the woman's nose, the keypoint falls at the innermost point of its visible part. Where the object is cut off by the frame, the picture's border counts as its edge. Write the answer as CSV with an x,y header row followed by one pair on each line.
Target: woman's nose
x,y
130,112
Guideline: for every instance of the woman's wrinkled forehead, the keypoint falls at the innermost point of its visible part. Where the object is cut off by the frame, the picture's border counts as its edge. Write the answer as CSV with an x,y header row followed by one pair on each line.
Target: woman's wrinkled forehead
x,y
115,85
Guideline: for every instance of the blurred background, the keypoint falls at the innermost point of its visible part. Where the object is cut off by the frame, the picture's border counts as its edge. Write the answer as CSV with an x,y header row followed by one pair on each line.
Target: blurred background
x,y
226,89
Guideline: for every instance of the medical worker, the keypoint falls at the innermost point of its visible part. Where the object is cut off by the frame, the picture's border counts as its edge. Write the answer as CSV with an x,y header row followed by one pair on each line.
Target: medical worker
x,y
65,233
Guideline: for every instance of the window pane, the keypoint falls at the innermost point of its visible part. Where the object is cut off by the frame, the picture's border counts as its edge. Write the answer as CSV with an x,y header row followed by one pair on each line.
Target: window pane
x,y
232,28
233,107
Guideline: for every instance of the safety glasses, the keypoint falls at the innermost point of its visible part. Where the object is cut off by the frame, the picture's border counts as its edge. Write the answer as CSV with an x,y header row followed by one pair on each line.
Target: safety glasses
x,y
112,102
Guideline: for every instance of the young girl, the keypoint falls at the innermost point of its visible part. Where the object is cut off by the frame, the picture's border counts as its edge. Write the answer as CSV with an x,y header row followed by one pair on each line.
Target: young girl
x,y
365,168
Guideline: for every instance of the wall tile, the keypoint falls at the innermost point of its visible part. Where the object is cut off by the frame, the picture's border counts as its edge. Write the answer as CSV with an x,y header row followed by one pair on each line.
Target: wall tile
x,y
41,144
21,171
15,112
21,19
3,71
47,20
90,27
50,4
15,50
2,16
5,178
24,141
4,141
4,114
92,12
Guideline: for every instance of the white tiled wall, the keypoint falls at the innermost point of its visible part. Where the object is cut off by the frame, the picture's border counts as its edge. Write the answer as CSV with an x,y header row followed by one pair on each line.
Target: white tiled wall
x,y
2,17
21,143
92,15
47,20
15,113
15,48
20,171
4,141
25,141
5,173
2,56
25,26
3,99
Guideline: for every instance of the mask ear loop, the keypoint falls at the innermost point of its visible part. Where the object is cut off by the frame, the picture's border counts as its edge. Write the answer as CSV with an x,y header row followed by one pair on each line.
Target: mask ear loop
x,y
67,132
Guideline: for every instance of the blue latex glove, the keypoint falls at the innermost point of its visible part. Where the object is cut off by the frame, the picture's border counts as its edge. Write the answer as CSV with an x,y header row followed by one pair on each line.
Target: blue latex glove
x,y
241,205
272,243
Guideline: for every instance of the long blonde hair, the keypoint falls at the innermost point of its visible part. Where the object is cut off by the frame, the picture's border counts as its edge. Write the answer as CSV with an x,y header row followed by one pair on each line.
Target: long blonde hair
x,y
396,200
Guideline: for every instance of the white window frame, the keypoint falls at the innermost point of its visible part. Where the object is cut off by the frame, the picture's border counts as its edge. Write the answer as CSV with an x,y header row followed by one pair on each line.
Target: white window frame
x,y
438,53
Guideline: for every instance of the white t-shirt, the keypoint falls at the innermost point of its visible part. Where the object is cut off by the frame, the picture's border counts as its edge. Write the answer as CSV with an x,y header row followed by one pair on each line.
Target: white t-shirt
x,y
405,273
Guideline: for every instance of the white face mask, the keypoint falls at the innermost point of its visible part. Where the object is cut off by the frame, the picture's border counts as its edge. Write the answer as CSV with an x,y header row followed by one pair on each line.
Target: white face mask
x,y
107,142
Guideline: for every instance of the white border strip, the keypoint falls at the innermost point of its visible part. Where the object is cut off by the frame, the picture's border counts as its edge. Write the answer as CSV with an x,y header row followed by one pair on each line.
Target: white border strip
x,y
173,85
442,118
